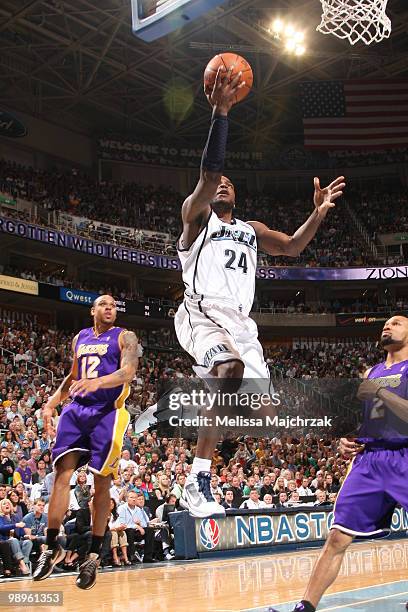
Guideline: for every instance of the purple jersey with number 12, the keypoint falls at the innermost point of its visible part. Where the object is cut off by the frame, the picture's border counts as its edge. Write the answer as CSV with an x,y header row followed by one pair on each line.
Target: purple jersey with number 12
x,y
98,356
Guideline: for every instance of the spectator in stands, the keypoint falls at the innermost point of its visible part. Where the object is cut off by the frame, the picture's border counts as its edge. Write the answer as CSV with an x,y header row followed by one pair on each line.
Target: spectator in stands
x,y
305,490
282,500
80,540
127,463
20,549
147,484
214,486
128,514
177,489
228,502
253,503
237,489
330,486
161,486
321,498
36,524
19,501
82,490
267,486
318,482
294,500
119,538
268,501
22,473
6,466
117,491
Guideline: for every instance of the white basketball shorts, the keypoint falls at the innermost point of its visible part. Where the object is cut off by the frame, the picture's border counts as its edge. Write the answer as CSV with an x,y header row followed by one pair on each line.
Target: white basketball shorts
x,y
214,333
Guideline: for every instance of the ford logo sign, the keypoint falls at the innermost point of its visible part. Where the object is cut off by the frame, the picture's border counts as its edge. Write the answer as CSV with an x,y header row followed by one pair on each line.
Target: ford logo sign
x,y
10,126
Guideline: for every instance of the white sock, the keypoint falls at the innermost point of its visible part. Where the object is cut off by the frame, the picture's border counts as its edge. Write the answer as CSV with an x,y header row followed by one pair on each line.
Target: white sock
x,y
200,465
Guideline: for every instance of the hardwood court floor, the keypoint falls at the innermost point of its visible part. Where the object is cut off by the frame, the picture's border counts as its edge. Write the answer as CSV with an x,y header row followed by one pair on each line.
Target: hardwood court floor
x,y
237,584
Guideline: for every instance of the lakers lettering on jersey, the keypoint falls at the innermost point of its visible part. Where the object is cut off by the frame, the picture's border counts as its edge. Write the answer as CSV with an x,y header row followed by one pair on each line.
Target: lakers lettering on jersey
x,y
221,263
99,356
379,422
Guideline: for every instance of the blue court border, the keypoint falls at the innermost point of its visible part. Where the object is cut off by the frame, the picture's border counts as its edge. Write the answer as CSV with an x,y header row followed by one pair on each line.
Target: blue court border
x,y
387,597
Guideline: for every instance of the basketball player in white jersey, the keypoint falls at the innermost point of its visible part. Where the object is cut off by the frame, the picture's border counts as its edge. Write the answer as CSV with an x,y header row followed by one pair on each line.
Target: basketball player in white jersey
x,y
218,254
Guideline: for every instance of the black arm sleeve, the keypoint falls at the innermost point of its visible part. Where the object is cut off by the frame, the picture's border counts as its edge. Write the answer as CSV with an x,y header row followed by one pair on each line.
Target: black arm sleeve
x,y
214,151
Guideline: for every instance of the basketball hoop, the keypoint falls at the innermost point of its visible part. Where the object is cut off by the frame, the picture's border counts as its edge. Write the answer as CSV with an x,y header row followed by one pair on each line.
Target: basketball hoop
x,y
356,20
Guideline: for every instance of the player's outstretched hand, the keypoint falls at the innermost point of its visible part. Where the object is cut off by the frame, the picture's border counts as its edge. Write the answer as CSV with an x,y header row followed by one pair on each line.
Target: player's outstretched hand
x,y
223,95
324,197
83,386
349,448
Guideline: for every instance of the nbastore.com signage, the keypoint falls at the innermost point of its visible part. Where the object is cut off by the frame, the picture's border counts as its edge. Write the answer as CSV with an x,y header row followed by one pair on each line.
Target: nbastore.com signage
x,y
10,126
246,529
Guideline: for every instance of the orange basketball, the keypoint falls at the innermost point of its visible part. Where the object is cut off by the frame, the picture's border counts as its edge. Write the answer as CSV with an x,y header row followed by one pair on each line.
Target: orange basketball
x,y
228,60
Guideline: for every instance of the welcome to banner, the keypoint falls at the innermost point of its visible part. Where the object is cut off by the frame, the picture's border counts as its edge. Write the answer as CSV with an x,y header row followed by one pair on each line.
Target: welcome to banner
x,y
102,249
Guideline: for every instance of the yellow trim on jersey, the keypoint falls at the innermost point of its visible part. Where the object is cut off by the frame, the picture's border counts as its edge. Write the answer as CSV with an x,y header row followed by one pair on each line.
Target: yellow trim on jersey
x,y
111,465
124,394
342,484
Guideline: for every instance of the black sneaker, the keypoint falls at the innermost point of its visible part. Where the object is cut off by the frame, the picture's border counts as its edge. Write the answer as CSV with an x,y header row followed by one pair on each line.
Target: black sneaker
x,y
87,573
47,561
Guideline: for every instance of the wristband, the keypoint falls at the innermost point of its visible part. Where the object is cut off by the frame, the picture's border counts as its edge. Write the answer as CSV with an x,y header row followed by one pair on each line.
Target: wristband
x,y
377,392
214,152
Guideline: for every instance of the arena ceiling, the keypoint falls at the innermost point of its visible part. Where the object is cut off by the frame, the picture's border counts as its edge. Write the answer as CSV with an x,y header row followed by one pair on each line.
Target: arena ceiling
x,y
76,63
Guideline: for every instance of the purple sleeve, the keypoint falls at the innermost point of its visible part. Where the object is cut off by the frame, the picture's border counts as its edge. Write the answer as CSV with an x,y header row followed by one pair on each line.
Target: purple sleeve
x,y
5,528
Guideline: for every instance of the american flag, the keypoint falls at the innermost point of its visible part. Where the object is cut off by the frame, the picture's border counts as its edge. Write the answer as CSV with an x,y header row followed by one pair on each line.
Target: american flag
x,y
355,114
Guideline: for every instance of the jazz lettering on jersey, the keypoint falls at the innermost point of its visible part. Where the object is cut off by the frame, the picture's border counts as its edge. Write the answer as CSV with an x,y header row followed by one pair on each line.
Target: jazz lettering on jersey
x,y
226,233
215,350
92,349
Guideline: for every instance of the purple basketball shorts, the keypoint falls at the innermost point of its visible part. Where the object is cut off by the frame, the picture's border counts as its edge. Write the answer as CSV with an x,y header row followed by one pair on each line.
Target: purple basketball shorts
x,y
375,484
96,431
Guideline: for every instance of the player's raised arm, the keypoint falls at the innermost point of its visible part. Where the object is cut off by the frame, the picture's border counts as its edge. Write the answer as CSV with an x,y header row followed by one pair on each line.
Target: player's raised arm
x,y
130,353
196,208
278,243
62,393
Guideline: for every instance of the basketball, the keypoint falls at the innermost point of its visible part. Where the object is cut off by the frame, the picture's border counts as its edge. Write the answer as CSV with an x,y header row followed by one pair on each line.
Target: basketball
x,y
238,64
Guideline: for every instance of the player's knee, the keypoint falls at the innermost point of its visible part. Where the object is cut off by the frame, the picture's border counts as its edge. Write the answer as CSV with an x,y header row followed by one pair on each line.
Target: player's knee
x,y
102,483
231,369
63,474
338,541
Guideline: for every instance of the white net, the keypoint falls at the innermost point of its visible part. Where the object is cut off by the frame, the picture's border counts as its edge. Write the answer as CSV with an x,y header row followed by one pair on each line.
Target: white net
x,y
356,20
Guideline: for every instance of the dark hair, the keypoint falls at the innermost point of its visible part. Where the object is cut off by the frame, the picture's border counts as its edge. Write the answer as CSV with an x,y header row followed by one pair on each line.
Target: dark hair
x,y
399,313
11,492
114,509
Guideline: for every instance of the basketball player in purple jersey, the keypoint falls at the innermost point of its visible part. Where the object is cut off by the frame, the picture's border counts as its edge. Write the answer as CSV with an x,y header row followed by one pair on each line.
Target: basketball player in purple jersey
x,y
376,480
90,429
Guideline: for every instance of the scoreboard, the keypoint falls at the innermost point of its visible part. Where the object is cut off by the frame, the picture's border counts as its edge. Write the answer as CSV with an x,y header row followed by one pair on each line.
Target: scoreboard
x,y
152,19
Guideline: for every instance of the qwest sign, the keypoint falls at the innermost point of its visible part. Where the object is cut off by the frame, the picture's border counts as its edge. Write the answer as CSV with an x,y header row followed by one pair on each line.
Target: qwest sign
x,y
10,126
